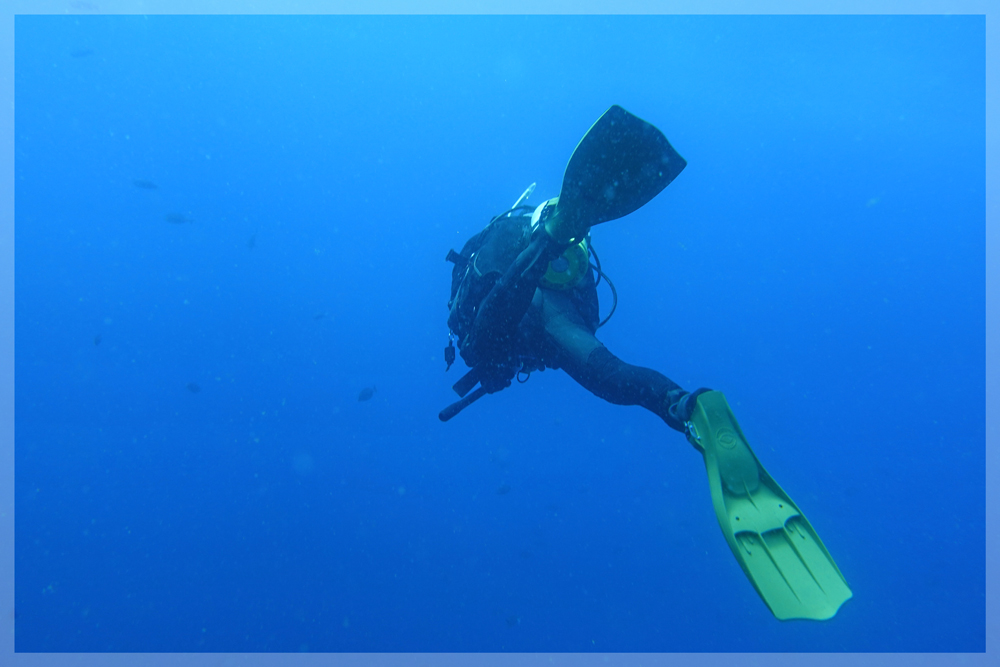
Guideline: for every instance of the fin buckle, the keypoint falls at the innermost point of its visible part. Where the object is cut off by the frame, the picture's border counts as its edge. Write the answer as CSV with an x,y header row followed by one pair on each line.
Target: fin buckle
x,y
691,430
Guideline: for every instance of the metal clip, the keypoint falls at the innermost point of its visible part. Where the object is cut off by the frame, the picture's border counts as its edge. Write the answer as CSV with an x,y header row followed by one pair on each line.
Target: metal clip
x,y
691,431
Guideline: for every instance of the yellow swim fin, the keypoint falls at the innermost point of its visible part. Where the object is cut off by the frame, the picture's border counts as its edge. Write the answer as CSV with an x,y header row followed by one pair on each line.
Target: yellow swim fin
x,y
771,538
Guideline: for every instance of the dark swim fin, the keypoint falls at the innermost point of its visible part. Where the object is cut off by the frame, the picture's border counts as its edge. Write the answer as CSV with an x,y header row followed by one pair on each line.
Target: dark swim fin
x,y
621,163
771,538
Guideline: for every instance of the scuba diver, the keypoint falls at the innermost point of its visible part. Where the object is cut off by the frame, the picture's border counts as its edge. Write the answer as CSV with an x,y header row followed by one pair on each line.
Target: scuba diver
x,y
524,298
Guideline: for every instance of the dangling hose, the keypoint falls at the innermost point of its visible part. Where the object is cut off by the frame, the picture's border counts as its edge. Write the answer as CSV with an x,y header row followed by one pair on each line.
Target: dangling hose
x,y
601,274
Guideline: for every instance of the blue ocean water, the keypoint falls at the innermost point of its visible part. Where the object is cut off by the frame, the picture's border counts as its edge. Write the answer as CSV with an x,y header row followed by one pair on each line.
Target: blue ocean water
x,y
228,227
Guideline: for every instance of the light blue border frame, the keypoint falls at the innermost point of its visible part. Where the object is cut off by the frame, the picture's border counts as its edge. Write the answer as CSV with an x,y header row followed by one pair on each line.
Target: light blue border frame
x,y
992,333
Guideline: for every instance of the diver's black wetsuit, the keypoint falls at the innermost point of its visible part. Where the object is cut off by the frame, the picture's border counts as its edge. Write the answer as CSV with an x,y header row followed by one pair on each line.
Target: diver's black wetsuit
x,y
555,329
566,340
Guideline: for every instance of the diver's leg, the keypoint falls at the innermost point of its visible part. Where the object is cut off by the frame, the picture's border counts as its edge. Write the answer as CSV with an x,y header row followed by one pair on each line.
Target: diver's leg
x,y
610,378
606,376
495,327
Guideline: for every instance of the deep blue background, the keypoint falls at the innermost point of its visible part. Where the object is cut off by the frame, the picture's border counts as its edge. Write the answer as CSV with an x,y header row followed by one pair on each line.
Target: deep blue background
x,y
821,260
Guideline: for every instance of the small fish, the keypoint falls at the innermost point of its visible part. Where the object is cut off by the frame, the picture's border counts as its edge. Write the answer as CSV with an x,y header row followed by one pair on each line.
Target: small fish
x,y
143,184
513,620
319,316
503,490
177,218
252,242
97,339
366,394
193,387
82,53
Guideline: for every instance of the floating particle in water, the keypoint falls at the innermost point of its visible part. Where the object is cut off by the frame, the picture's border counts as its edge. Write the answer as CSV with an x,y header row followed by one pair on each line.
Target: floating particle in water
x,y
366,393
193,387
302,463
178,218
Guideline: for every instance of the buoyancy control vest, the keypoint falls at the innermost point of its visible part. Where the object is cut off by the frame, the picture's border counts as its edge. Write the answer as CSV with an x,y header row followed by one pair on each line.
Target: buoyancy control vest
x,y
484,259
